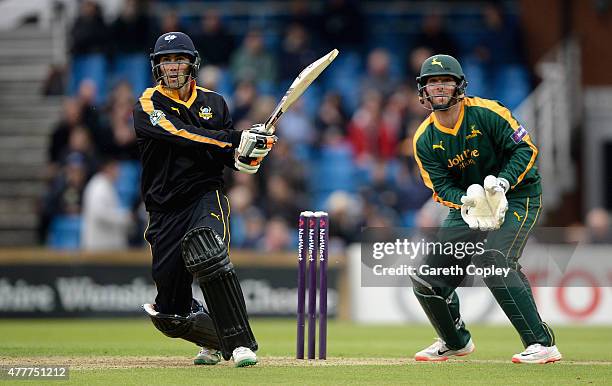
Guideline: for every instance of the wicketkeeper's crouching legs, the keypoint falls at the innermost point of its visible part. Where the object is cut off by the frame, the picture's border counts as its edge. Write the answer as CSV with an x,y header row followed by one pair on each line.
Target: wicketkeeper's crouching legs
x,y
513,294
206,256
441,305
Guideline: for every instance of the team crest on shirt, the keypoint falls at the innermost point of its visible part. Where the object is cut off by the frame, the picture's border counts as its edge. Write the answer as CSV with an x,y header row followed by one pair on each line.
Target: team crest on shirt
x,y
156,116
205,112
519,134
475,132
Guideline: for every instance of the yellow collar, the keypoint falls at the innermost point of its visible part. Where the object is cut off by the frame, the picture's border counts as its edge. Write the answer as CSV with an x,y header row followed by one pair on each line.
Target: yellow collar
x,y
174,95
448,130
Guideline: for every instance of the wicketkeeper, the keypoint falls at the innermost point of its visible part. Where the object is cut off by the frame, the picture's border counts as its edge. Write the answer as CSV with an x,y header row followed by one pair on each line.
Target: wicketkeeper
x,y
479,161
186,138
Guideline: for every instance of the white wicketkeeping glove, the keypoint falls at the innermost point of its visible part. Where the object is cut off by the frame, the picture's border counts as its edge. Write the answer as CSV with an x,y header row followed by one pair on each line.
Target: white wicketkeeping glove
x,y
475,210
495,191
254,145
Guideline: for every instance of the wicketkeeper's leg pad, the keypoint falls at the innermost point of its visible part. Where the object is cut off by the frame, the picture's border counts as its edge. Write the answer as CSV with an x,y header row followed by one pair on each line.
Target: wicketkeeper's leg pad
x,y
437,308
513,294
205,255
197,328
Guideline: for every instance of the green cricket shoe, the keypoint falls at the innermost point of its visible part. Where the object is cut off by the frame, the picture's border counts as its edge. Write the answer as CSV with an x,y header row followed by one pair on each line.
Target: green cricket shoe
x,y
244,357
207,357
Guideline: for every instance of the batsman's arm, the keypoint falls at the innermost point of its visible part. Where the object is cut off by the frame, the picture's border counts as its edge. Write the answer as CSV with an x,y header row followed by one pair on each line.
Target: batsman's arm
x,y
436,177
153,120
515,141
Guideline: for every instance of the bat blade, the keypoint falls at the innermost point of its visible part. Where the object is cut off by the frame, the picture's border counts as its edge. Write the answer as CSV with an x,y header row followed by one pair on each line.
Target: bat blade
x,y
297,88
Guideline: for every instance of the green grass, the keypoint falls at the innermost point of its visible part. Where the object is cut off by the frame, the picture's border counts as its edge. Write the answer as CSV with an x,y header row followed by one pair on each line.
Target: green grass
x,y
582,348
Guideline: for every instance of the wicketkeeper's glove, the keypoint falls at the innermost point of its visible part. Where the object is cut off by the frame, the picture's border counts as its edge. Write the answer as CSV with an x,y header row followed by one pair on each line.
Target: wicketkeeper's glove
x,y
254,145
475,210
495,191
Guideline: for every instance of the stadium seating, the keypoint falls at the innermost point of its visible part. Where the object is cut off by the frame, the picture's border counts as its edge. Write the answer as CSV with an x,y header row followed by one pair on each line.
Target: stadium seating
x,y
65,232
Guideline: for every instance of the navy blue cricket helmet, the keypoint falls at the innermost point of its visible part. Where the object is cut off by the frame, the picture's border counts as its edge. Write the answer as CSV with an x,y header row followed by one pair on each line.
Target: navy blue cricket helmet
x,y
174,43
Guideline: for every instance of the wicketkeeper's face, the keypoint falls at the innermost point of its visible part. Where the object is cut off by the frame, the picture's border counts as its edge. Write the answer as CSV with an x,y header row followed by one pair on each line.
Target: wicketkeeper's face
x,y
175,69
440,89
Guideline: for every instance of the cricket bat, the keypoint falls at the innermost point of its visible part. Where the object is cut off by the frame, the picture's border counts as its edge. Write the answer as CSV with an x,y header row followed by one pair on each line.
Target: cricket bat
x,y
297,88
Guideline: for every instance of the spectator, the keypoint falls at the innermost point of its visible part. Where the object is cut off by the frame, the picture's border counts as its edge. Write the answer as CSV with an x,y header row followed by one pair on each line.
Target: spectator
x,y
213,42
244,99
433,36
378,75
55,81
89,34
277,236
331,118
368,134
598,226
296,53
416,58
296,127
105,222
252,63
501,42
65,195
131,30
70,119
169,23
343,24
280,200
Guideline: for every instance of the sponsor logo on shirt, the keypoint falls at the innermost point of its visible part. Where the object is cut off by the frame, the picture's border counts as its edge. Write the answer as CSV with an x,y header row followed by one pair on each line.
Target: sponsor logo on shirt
x,y
156,116
463,159
438,146
518,134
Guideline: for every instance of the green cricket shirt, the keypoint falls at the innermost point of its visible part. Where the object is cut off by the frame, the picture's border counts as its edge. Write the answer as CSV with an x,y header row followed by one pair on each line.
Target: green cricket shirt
x,y
486,140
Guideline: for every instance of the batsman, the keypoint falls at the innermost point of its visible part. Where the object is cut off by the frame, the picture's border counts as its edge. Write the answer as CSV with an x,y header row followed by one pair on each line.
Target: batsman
x,y
480,162
186,138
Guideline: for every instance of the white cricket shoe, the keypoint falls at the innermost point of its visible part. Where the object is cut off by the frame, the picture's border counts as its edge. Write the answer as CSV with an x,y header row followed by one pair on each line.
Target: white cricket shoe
x,y
536,353
207,356
244,357
438,352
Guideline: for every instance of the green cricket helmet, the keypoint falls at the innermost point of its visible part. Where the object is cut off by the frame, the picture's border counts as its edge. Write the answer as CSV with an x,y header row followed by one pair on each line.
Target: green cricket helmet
x,y
441,65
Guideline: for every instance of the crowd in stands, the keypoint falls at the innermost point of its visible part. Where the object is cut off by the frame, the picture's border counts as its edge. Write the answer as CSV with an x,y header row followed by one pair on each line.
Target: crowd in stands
x,y
345,147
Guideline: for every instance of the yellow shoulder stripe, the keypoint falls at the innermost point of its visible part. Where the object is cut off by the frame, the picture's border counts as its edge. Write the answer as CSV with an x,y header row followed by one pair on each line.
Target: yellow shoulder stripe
x,y
417,134
534,155
495,107
204,89
505,114
426,178
164,123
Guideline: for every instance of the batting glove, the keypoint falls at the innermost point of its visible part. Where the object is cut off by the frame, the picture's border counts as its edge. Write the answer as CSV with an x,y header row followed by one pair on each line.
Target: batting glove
x,y
255,142
475,210
495,191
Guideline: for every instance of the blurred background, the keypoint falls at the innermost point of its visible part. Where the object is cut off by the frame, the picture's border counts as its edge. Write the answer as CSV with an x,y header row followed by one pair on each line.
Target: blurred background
x,y
72,71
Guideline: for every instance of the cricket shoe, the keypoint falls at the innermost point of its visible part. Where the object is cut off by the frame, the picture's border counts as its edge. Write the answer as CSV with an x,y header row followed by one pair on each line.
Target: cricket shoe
x,y
536,353
438,352
244,357
207,356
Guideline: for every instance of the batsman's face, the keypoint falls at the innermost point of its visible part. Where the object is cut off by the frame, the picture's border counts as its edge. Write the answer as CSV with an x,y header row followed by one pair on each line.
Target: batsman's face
x,y
175,69
440,89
